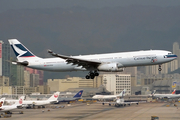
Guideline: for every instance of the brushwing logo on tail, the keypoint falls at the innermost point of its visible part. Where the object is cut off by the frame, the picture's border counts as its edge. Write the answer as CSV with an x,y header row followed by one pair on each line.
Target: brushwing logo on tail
x,y
20,101
20,50
56,95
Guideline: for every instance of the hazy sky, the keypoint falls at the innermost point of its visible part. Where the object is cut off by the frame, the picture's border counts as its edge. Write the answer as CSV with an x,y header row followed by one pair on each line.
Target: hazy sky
x,y
19,4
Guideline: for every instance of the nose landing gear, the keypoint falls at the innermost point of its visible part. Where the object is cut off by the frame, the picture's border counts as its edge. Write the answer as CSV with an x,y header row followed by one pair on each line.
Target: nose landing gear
x,y
91,75
159,68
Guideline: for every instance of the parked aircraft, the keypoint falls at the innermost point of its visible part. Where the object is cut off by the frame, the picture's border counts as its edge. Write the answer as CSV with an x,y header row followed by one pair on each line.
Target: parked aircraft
x,y
66,99
8,108
120,101
12,101
110,62
169,96
108,96
51,100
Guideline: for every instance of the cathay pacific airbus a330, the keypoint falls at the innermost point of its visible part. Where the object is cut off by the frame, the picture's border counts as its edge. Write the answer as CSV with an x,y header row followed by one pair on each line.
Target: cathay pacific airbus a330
x,y
109,62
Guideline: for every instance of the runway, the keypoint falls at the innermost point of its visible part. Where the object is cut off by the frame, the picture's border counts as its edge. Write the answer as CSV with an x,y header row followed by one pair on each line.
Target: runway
x,y
95,111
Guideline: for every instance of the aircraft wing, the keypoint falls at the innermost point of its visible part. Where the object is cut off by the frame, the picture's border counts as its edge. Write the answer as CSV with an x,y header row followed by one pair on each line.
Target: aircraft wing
x,y
131,103
107,102
119,103
76,61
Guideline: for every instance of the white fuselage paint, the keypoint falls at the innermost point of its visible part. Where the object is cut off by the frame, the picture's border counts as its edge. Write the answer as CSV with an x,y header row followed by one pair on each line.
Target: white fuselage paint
x,y
37,103
104,96
8,108
166,96
126,59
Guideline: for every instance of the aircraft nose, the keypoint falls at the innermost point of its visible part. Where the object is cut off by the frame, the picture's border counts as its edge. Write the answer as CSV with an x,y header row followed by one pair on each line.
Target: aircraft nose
x,y
172,56
175,56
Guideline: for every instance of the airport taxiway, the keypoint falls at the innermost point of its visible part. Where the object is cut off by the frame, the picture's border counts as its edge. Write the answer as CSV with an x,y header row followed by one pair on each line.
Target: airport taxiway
x,y
95,111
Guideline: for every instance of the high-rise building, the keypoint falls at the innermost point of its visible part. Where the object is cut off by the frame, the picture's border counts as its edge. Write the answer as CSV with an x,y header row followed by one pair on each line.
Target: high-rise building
x,y
17,75
176,51
133,72
34,80
174,65
4,81
43,89
6,65
26,78
35,71
151,69
5,52
167,67
117,83
1,58
175,48
74,82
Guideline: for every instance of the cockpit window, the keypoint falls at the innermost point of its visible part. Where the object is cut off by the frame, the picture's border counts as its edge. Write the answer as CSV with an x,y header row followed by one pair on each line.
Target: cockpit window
x,y
169,53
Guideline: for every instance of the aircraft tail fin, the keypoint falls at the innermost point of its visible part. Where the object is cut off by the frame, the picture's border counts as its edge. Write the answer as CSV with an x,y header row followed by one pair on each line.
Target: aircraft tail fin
x,y
54,97
174,91
153,92
2,101
20,101
21,52
122,93
79,94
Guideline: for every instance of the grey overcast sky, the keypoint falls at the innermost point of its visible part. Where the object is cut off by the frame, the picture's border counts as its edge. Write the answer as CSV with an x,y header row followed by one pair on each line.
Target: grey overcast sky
x,y
33,4
92,31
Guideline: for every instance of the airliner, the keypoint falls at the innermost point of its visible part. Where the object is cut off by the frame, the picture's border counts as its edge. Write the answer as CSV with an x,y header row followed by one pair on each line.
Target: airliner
x,y
108,96
120,100
109,62
52,99
169,96
8,108
69,99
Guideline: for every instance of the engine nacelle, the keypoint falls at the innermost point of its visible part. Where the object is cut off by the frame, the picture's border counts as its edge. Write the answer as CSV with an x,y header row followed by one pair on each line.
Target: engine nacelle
x,y
111,67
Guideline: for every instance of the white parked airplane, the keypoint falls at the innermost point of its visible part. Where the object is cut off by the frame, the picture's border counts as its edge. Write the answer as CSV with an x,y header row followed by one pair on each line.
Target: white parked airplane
x,y
169,96
52,99
12,101
108,96
120,101
109,62
69,99
8,108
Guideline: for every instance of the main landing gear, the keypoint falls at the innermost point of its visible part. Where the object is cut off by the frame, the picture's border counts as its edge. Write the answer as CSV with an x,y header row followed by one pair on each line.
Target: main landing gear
x,y
91,75
159,68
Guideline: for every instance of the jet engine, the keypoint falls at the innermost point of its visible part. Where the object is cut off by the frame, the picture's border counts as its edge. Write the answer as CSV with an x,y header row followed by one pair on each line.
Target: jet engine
x,y
24,63
111,67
